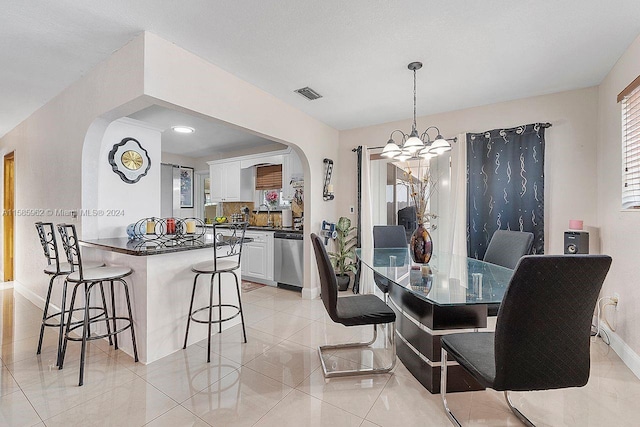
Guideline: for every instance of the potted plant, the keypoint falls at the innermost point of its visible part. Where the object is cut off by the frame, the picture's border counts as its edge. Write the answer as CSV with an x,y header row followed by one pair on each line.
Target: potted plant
x,y
344,256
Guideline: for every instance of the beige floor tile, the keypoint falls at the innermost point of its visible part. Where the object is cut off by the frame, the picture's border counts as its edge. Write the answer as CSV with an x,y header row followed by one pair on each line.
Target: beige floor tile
x,y
58,391
278,302
177,417
254,313
7,383
39,368
239,399
287,362
300,409
405,402
318,333
340,391
310,309
261,391
16,411
257,344
131,404
182,377
282,325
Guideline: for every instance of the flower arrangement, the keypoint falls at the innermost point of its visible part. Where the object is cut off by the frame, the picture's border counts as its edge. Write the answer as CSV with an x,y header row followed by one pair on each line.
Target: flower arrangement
x,y
421,188
272,197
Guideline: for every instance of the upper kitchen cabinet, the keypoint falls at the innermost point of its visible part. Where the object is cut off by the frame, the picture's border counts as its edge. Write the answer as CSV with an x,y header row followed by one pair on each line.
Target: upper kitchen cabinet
x,y
291,171
228,182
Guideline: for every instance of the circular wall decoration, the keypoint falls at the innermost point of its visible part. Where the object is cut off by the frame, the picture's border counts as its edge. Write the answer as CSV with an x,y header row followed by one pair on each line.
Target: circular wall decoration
x,y
129,160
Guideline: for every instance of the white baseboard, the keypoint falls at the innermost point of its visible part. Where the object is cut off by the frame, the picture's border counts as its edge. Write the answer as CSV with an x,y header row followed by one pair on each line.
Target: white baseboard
x,y
628,356
310,293
30,295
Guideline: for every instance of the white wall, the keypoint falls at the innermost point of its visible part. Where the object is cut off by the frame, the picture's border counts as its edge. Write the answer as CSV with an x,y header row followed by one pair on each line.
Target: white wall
x,y
57,148
137,200
182,79
570,158
49,153
620,230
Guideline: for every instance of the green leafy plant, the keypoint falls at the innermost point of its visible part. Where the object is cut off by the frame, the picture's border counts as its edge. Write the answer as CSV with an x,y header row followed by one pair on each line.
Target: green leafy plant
x,y
344,256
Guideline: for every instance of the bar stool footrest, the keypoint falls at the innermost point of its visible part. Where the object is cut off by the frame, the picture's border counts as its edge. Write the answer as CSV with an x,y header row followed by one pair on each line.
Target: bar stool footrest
x,y
57,325
214,307
97,337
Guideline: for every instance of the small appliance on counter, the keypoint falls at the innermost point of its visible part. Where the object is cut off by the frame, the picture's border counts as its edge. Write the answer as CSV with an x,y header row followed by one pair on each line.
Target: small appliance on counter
x,y
287,218
244,210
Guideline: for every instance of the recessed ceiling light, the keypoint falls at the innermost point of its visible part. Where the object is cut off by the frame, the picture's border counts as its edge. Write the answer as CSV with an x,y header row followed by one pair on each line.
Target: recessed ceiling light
x,y
183,129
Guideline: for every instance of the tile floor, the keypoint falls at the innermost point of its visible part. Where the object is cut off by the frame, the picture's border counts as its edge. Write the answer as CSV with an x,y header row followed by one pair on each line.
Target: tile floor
x,y
273,380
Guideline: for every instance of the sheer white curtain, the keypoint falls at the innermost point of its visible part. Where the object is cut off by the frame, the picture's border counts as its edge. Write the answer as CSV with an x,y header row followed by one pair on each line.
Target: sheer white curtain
x,y
457,211
366,216
458,200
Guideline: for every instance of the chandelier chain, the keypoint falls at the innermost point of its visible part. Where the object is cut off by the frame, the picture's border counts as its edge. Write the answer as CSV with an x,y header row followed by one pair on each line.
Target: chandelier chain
x,y
414,100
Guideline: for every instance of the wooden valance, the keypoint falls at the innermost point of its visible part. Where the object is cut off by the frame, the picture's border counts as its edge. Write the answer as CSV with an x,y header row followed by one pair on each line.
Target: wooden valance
x,y
630,88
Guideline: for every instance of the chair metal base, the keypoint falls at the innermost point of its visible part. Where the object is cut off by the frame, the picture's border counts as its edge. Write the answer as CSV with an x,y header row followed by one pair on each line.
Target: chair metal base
x,y
368,371
209,308
85,324
443,394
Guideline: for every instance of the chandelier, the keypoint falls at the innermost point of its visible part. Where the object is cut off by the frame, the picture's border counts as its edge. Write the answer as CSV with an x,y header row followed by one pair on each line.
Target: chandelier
x,y
414,145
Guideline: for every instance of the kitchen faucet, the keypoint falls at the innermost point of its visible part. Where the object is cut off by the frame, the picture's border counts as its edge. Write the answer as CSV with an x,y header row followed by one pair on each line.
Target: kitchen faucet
x,y
269,222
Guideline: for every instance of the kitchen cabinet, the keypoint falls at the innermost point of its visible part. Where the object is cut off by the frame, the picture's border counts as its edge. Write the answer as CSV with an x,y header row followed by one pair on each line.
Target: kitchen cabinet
x,y
257,257
291,170
228,183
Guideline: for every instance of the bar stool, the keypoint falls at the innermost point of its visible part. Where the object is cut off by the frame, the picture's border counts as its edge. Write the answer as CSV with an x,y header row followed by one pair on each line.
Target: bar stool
x,y
226,259
88,278
55,269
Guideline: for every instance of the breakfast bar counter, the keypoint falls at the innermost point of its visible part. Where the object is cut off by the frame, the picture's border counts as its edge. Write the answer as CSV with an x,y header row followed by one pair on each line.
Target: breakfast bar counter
x,y
160,288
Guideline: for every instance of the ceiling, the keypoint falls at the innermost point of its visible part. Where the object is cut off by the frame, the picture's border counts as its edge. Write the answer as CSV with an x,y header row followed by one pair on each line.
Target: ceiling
x,y
209,136
353,52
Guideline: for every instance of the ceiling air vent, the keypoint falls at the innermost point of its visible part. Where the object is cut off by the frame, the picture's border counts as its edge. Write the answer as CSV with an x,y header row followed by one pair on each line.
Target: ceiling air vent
x,y
308,93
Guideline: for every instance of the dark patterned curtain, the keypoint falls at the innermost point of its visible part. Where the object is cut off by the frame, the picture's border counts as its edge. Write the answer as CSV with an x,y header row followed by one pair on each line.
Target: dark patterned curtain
x,y
505,185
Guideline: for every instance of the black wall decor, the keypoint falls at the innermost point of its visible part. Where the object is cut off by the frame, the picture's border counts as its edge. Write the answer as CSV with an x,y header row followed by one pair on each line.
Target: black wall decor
x,y
129,160
505,185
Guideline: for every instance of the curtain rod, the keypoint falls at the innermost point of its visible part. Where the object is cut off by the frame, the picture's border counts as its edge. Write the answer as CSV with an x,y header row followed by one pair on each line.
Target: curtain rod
x,y
542,125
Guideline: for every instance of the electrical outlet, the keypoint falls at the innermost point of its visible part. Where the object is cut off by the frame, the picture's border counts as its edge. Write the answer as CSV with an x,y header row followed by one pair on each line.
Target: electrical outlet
x,y
352,209
616,299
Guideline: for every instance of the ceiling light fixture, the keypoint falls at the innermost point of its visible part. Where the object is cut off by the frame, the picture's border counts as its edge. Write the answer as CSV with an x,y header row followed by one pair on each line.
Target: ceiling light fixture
x,y
413,144
183,129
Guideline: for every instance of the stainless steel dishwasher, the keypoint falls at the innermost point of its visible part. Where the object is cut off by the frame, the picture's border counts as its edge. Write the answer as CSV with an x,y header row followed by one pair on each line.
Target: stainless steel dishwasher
x,y
288,259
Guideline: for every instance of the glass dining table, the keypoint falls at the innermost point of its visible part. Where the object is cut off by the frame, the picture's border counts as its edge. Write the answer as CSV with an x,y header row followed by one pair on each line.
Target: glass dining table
x,y
449,295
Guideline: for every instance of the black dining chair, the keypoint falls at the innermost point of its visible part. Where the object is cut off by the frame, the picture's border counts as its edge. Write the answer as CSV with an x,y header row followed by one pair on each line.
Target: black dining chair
x,y
387,236
505,249
542,335
356,310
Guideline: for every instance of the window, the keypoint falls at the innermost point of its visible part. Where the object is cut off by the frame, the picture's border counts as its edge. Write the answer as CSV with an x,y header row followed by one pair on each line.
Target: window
x,y
631,145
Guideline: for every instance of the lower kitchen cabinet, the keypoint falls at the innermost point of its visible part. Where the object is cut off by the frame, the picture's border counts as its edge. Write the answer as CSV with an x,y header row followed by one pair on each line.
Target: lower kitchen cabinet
x,y
257,258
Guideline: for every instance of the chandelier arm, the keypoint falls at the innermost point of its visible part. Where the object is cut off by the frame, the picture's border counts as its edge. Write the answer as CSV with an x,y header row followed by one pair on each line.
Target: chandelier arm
x,y
404,135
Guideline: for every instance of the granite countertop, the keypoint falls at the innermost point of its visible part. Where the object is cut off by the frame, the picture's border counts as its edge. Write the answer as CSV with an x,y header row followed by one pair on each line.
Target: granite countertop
x,y
259,228
141,247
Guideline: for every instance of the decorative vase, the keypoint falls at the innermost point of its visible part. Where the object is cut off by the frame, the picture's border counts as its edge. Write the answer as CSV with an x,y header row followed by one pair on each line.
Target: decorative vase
x,y
421,245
